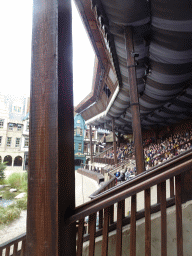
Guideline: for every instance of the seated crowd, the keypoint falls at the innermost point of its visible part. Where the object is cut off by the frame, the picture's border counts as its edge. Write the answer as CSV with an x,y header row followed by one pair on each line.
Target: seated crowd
x,y
157,153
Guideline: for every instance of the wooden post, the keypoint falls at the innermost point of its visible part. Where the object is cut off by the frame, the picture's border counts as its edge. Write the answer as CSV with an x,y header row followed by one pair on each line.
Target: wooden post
x,y
114,141
91,146
134,102
51,179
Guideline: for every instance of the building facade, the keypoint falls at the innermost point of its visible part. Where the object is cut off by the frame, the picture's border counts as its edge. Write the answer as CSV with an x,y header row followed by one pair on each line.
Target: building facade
x,y
14,131
79,134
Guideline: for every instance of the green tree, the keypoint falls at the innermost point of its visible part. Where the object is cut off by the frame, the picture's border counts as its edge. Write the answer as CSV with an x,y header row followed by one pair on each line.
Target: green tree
x,y
2,174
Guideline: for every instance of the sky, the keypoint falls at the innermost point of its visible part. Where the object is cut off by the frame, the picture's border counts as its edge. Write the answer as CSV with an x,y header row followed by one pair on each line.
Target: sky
x,y
15,51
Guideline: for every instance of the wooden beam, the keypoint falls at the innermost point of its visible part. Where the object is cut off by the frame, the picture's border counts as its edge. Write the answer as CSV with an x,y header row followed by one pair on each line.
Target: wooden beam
x,y
51,179
114,142
134,102
91,146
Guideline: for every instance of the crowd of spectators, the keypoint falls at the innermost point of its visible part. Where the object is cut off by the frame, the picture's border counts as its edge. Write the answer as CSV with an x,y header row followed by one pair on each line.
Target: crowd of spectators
x,y
167,149
121,152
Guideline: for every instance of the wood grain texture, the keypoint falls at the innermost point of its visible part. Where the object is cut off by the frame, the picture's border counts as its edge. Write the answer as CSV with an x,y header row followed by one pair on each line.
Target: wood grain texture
x,y
80,237
105,232
119,229
92,228
171,187
163,220
178,204
147,223
133,226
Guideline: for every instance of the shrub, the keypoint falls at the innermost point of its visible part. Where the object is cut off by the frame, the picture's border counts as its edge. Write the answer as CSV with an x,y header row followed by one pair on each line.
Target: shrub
x,y
22,203
7,195
2,174
8,214
18,181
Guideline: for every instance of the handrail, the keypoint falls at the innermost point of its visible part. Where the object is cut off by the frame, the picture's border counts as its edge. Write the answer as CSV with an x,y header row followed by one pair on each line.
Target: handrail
x,y
136,185
104,151
14,241
104,187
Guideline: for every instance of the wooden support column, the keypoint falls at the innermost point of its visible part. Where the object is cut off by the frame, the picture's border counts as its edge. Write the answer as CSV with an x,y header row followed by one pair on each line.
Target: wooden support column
x,y
91,146
114,141
134,101
51,179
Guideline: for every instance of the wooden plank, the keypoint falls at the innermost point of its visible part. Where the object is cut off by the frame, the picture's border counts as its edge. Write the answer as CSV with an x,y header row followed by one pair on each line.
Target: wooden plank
x,y
134,101
163,220
105,232
171,187
1,252
133,227
15,249
7,251
147,223
119,229
23,248
51,193
80,237
158,193
92,228
100,219
111,214
178,190
123,208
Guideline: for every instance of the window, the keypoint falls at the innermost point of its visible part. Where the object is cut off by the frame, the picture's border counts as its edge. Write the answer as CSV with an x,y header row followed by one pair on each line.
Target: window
x,y
17,142
78,130
19,127
81,132
0,140
74,132
10,126
79,147
9,141
26,143
27,126
16,109
1,123
107,91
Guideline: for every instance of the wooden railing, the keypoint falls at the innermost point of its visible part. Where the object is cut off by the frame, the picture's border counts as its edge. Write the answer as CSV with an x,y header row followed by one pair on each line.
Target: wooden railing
x,y
101,154
14,247
104,205
105,186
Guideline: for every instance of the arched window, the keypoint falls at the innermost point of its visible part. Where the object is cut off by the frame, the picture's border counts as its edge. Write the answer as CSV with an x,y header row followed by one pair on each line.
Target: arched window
x,y
18,161
8,160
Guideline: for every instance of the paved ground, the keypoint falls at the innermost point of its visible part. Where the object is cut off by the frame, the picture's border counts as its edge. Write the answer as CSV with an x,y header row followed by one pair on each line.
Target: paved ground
x,y
84,187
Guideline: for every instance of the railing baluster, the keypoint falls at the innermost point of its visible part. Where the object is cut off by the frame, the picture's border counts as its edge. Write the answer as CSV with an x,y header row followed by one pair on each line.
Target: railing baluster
x,y
105,232
171,187
92,229
133,227
1,252
80,237
158,193
147,223
119,229
179,215
15,249
163,220
111,214
7,251
123,208
100,219
23,248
